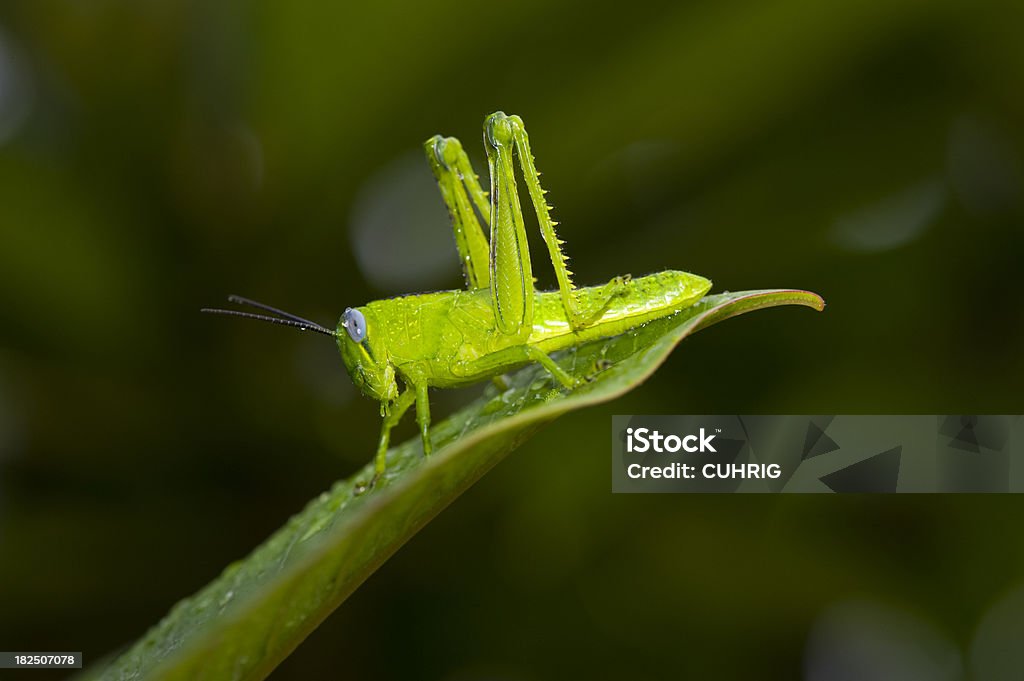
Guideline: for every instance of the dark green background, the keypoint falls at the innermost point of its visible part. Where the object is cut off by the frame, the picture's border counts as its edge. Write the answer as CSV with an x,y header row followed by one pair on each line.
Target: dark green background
x,y
156,156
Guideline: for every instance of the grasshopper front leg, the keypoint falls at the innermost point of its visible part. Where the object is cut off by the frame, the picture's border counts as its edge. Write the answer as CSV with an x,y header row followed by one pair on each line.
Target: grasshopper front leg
x,y
392,416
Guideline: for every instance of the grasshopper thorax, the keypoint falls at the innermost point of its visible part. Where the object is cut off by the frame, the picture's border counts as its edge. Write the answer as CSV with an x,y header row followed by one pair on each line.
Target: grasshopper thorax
x,y
365,355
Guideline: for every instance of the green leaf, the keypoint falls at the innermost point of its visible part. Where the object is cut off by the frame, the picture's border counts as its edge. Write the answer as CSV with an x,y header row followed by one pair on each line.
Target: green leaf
x,y
245,622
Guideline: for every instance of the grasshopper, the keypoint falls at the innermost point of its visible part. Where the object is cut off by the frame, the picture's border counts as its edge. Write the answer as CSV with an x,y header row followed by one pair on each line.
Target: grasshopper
x,y
499,322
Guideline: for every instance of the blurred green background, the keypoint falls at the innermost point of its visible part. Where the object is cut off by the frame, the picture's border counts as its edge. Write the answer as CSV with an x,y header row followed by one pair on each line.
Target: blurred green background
x,y
156,156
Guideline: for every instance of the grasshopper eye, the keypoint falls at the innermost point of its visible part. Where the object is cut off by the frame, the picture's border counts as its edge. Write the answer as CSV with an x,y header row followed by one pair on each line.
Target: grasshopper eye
x,y
355,323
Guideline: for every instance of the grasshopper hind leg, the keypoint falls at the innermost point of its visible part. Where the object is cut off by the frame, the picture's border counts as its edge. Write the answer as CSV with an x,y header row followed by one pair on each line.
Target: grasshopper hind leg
x,y
594,306
467,204
503,134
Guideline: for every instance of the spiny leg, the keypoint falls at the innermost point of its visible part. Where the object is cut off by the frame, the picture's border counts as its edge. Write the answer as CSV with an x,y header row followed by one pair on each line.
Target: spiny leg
x,y
466,202
512,292
391,418
579,316
502,133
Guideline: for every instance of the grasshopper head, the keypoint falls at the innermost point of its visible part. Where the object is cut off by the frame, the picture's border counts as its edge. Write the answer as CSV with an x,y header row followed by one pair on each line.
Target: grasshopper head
x,y
365,356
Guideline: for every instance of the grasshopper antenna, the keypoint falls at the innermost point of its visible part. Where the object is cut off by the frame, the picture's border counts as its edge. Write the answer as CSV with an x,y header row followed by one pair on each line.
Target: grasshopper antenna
x,y
283,318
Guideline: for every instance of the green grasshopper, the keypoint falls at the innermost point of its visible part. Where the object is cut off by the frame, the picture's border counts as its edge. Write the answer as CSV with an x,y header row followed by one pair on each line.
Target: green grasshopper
x,y
500,322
